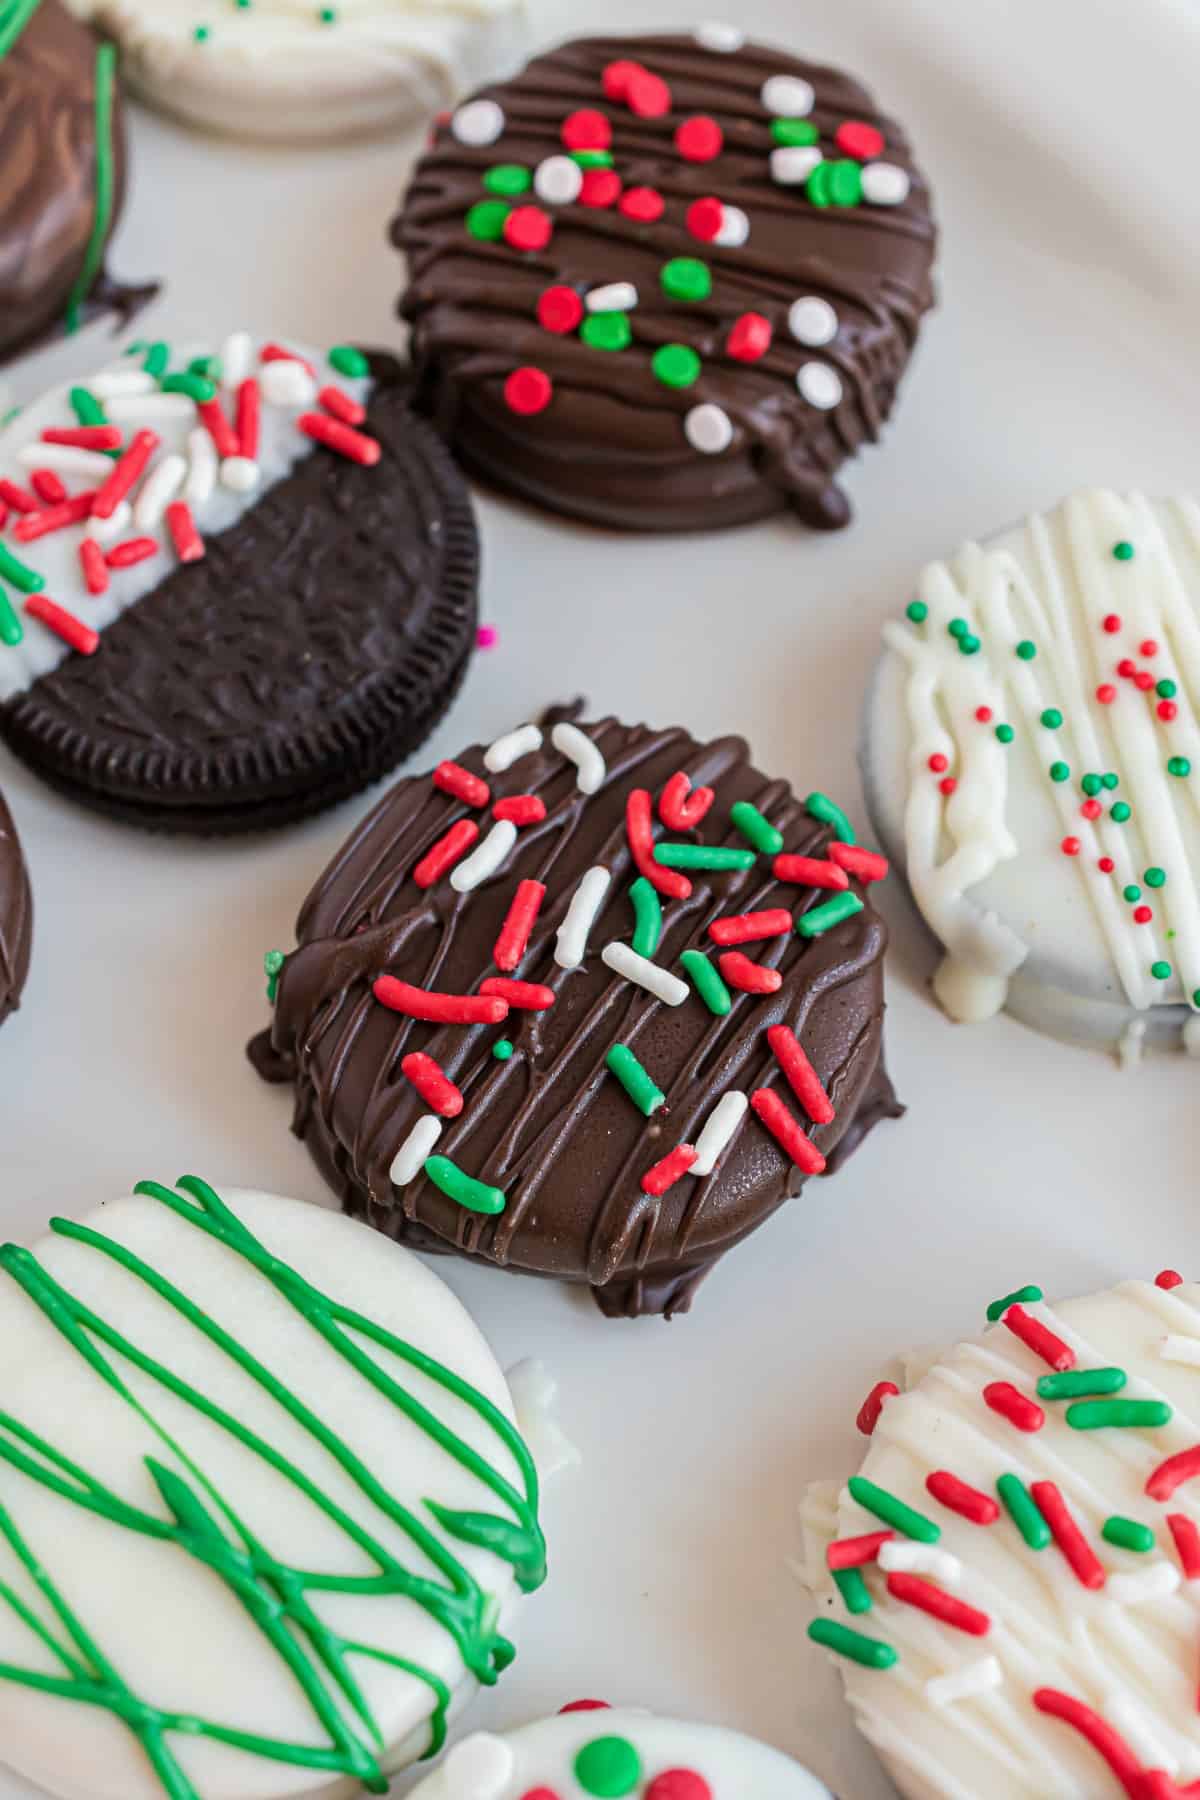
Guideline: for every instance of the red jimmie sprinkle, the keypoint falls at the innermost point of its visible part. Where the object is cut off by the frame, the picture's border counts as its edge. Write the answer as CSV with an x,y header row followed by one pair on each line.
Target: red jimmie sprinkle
x,y
749,337
1016,1407
133,550
189,545
433,1084
960,1497
520,809
810,871
601,187
249,415
3,515
55,518
867,1418
528,391
699,139
747,976
1168,1278
1037,1337
704,218
914,1590
528,228
574,1706
749,928
671,1169
586,130
680,807
856,1552
1172,1473
95,570
640,832
443,855
452,778
84,437
63,624
865,865
212,417
1111,623
19,498
513,941
47,486
647,95
786,1131
341,405
1099,1734
854,137
643,204
1187,1544
438,1009
277,353
802,1077
615,77
125,472
559,309
526,996
336,436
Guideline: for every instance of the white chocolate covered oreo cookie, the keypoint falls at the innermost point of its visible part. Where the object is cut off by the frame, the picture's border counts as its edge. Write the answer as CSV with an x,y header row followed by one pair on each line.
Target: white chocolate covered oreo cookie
x,y
1032,761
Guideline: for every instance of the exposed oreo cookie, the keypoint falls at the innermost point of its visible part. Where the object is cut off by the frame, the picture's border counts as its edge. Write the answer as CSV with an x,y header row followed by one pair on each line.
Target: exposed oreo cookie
x,y
233,595
16,915
666,283
521,1029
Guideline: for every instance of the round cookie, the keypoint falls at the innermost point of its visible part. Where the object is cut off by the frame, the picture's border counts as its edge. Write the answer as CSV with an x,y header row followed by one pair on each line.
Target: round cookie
x,y
521,1029
591,1750
16,915
279,69
264,1512
1017,1559
58,87
233,590
666,283
1031,759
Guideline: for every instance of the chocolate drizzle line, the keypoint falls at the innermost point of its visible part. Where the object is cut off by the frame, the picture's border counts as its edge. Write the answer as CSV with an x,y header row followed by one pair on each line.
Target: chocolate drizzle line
x,y
611,446
549,1126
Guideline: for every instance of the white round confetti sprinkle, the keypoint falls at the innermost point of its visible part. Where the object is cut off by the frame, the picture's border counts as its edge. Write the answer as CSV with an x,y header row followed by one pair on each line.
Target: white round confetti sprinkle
x,y
558,180
812,321
884,184
735,227
480,1767
714,34
709,429
792,164
286,383
618,296
787,96
820,385
477,123
241,474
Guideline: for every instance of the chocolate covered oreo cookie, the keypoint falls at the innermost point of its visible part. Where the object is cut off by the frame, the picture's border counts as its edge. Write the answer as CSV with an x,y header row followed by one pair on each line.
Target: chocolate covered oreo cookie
x,y
16,915
667,283
235,588
589,1003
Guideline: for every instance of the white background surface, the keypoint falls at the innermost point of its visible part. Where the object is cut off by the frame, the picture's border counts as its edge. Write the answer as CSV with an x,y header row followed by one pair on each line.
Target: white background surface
x,y
1064,353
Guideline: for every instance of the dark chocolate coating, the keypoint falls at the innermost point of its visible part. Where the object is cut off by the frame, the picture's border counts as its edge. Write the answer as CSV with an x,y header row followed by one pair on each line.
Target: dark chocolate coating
x,y
551,1126
610,447
314,647
16,915
48,176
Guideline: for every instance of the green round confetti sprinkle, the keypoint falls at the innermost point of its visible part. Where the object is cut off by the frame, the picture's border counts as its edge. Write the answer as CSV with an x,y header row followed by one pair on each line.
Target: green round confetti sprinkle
x,y
1166,690
1060,771
917,611
1180,766
592,159
1123,551
792,132
845,183
607,331
608,1767
969,644
1196,997
1091,785
1111,780
1127,1534
958,628
1052,718
675,365
1161,971
242,5
328,15
502,1049
486,220
349,361
871,1652
686,278
507,178
1155,878
1132,892
1005,733
1026,650
1121,811
201,34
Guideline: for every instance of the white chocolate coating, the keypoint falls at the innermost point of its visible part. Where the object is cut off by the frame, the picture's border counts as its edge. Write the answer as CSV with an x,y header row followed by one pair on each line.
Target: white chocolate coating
x,y
1126,1650
483,1767
1024,925
178,1635
276,69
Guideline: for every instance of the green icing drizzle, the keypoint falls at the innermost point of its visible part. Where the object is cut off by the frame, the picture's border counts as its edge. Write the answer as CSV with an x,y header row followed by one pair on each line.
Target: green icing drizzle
x,y
203,1524
14,17
106,63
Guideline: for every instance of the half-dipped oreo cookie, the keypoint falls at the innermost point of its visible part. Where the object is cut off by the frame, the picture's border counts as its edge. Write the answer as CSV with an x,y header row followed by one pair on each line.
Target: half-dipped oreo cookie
x,y
233,589
589,1003
16,915
667,283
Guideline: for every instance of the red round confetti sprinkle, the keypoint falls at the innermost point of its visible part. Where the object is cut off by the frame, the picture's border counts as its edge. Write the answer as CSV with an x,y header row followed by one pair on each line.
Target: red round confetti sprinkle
x,y
601,187
948,785
645,204
1144,680
528,228
1143,914
1127,667
1148,647
542,1793
938,762
586,129
586,1706
1112,623
749,337
559,309
616,77
1106,693
704,218
1106,865
984,714
647,95
528,391
1091,809
854,137
1167,710
868,1413
679,1784
1071,846
1168,1278
699,139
